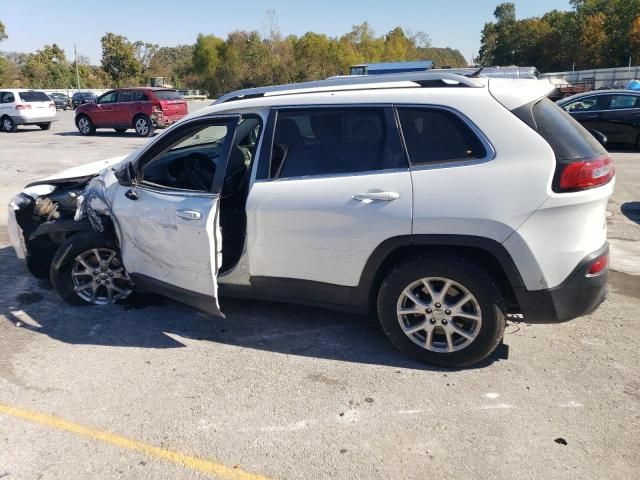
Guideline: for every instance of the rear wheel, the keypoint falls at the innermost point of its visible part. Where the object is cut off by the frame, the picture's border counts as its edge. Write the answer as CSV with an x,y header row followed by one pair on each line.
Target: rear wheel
x,y
443,310
8,125
120,130
85,125
87,270
143,126
45,126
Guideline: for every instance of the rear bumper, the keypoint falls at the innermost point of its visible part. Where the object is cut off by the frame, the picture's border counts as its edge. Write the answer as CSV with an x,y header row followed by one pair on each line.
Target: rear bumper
x,y
20,120
578,295
166,120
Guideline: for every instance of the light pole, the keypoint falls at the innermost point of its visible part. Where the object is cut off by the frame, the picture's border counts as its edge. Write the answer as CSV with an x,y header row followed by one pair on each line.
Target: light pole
x,y
75,55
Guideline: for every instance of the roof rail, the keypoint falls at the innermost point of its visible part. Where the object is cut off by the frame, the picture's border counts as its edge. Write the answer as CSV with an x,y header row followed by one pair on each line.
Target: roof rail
x,y
420,79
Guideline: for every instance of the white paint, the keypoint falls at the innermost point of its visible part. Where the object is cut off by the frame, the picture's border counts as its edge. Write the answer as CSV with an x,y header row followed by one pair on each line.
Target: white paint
x,y
25,318
498,406
87,169
292,427
571,404
311,227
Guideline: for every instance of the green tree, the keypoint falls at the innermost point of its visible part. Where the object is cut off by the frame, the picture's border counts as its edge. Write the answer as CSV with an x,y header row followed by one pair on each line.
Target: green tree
x,y
205,59
47,68
119,59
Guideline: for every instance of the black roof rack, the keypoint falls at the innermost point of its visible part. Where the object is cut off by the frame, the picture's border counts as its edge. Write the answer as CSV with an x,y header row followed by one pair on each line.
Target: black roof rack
x,y
421,79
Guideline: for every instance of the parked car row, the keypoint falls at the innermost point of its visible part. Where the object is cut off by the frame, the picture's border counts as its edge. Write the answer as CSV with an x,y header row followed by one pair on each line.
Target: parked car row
x,y
142,109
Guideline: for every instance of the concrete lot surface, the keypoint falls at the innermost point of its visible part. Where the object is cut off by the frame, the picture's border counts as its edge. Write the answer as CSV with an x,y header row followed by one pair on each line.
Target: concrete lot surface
x,y
155,390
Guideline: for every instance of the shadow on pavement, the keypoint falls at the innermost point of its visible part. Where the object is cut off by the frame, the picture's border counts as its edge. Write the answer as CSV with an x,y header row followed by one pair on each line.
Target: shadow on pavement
x,y
150,321
100,133
631,210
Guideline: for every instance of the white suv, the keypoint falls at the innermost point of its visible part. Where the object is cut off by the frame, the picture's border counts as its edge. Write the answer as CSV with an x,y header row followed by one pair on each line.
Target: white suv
x,y
442,202
25,107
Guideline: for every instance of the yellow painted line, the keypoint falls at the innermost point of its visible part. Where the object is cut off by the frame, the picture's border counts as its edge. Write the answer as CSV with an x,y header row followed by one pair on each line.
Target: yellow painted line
x,y
194,463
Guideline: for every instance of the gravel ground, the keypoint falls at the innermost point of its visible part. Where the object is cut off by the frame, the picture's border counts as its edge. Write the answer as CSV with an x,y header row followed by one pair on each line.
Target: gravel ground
x,y
293,392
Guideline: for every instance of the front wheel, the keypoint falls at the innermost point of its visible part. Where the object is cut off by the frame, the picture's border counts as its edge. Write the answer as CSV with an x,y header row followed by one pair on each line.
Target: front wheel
x,y
143,126
85,125
443,310
87,270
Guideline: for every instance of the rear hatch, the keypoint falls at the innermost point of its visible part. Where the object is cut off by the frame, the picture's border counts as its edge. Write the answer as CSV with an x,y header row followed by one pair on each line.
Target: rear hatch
x,y
34,104
171,102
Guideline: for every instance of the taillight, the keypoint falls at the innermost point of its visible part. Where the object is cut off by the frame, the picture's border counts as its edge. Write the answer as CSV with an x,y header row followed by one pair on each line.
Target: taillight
x,y
586,174
23,106
599,265
157,107
52,105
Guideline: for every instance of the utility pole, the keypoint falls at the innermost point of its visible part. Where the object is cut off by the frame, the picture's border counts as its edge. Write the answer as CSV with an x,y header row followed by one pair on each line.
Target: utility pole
x,y
75,55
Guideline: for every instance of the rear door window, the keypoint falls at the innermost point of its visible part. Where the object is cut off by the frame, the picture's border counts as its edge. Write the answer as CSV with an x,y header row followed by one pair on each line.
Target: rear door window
x,y
435,135
125,96
334,141
624,101
34,97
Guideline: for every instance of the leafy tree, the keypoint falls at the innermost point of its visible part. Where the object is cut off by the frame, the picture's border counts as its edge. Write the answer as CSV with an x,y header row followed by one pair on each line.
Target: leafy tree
x,y
119,59
3,32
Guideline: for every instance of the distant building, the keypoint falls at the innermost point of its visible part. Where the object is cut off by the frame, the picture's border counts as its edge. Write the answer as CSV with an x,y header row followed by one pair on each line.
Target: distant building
x,y
390,67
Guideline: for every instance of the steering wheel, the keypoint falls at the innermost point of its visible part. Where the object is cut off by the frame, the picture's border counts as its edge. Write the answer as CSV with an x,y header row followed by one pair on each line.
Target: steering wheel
x,y
200,170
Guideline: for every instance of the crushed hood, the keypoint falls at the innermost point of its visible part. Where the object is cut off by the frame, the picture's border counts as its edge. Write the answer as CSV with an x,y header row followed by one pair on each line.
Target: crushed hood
x,y
82,171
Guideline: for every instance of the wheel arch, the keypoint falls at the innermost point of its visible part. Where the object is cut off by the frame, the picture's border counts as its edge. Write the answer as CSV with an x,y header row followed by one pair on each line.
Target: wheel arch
x,y
489,253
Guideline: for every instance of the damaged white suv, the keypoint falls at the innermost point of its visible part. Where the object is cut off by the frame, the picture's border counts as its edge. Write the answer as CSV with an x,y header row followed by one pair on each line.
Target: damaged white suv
x,y
443,202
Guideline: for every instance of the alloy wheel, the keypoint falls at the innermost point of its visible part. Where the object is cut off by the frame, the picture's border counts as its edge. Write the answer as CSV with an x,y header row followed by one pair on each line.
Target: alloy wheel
x,y
99,277
142,127
84,125
439,314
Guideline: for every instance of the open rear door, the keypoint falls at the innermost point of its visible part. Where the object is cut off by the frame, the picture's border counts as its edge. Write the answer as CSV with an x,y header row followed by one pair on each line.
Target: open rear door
x,y
169,220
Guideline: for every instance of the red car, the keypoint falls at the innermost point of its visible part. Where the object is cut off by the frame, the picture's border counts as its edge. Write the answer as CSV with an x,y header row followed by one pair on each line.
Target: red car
x,y
142,109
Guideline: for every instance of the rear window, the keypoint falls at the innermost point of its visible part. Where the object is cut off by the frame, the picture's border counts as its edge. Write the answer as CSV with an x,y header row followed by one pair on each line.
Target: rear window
x,y
34,97
167,95
569,140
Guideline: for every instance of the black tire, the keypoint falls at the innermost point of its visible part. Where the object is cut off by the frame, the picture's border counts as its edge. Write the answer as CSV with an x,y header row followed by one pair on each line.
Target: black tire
x,y
8,125
120,130
64,108
64,259
471,276
87,128
143,126
45,126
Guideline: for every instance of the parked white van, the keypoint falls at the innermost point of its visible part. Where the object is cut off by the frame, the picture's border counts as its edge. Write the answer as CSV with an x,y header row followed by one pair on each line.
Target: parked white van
x,y
25,107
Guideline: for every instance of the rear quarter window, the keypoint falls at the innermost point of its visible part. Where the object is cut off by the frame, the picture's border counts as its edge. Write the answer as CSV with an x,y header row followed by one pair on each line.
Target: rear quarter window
x,y
167,95
569,140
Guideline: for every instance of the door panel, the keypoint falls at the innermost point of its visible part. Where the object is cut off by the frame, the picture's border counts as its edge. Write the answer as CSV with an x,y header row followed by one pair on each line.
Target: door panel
x,y
314,229
169,231
340,186
168,237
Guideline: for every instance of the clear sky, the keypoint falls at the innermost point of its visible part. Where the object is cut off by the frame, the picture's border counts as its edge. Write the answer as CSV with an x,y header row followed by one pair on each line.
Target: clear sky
x,y
450,23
